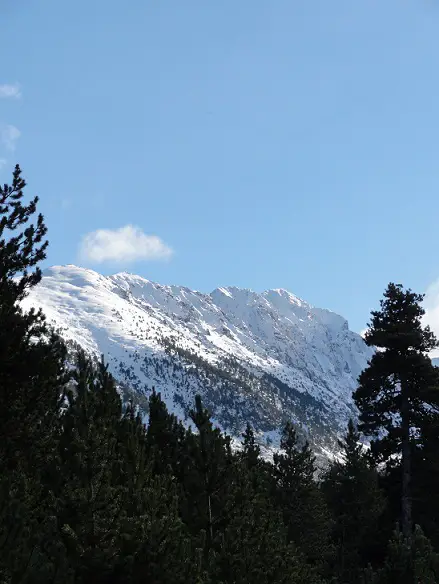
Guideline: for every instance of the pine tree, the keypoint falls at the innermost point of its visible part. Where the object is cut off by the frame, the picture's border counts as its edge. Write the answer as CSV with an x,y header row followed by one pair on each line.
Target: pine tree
x,y
260,471
166,437
208,462
29,394
253,545
156,546
32,378
425,467
250,449
351,490
154,543
118,521
396,392
89,499
407,562
305,514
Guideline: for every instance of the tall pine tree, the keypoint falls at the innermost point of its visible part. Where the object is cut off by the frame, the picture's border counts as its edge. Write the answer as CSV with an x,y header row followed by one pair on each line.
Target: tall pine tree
x,y
305,513
206,478
32,377
396,395
350,486
166,437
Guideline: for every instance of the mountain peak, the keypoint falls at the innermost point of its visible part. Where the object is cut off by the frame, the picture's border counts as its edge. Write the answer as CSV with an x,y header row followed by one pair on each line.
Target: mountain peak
x,y
287,295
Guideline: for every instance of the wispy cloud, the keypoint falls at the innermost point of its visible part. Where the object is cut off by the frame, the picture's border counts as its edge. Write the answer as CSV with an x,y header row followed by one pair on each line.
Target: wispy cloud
x,y
9,135
124,245
10,90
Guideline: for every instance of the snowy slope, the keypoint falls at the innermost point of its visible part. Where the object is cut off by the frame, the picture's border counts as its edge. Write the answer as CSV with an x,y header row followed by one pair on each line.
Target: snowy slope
x,y
257,357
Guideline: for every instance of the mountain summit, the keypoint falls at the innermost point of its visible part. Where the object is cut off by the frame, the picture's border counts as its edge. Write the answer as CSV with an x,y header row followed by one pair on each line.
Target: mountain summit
x,y
253,357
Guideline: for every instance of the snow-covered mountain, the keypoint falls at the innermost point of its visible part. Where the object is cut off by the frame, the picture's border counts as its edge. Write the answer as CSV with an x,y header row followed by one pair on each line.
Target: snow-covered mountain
x,y
253,357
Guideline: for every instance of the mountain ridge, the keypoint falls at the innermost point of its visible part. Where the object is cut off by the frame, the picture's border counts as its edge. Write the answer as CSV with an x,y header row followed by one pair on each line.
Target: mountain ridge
x,y
258,357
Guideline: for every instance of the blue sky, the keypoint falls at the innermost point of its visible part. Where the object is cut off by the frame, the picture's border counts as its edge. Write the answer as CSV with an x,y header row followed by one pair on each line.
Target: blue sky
x,y
263,143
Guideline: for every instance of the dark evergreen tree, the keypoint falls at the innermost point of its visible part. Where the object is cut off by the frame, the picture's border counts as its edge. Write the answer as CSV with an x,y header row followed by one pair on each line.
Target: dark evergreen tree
x,y
89,500
396,394
166,438
425,470
155,545
407,562
208,462
253,547
32,377
30,394
250,449
351,490
118,520
305,514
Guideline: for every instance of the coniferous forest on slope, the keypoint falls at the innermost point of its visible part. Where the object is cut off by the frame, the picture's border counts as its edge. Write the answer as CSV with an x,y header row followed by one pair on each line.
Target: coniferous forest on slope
x,y
89,494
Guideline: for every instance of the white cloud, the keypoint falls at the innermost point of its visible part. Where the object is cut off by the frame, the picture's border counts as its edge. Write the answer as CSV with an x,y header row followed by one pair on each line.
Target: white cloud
x,y
9,135
3,162
12,90
124,245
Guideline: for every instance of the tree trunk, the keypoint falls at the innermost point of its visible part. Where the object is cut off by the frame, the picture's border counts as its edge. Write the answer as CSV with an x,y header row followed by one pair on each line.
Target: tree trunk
x,y
406,500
